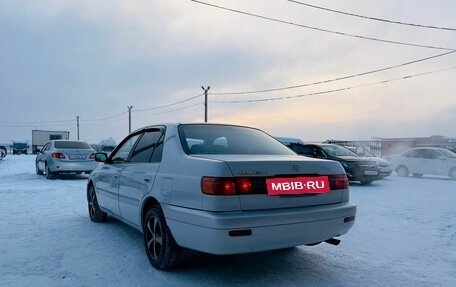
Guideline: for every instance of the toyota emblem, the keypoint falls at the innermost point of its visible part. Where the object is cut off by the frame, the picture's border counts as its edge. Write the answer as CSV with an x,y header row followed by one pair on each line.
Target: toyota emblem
x,y
296,167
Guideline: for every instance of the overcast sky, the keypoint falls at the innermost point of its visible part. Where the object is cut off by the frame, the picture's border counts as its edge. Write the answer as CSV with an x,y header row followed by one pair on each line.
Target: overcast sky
x,y
61,59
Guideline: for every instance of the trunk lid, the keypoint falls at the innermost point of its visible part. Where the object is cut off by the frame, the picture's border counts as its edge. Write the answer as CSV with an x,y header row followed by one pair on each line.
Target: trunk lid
x,y
261,167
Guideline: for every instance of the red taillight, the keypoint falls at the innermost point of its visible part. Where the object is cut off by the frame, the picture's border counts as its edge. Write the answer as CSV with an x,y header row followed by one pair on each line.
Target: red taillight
x,y
217,186
338,181
225,186
244,186
255,185
58,155
92,156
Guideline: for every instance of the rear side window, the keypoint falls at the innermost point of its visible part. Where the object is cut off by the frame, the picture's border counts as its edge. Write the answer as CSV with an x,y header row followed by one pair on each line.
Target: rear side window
x,y
431,154
71,145
224,139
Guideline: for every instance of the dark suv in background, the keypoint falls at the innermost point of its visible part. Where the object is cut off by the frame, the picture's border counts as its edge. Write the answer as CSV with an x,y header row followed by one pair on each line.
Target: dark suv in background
x,y
358,168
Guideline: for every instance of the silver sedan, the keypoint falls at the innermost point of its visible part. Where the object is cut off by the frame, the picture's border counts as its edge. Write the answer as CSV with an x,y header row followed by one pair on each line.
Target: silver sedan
x,y
65,156
219,189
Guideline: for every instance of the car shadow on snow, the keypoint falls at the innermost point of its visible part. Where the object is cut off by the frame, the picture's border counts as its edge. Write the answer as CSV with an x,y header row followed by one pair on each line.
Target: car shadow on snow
x,y
270,268
246,269
374,184
71,177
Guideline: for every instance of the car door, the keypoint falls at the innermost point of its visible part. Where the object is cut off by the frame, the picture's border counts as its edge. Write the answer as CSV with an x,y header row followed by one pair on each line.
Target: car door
x,y
41,157
138,175
435,163
108,176
415,161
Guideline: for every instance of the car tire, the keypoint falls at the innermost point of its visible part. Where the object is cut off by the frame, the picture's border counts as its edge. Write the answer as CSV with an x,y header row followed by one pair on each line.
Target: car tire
x,y
95,213
49,173
161,248
402,171
38,171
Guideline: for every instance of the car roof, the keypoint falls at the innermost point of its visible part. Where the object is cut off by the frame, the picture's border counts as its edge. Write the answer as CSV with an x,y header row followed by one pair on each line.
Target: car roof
x,y
175,124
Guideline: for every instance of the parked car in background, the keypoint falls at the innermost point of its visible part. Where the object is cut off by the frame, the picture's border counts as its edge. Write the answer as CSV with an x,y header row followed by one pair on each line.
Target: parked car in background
x,y
219,189
425,160
358,168
65,156
383,164
3,151
19,146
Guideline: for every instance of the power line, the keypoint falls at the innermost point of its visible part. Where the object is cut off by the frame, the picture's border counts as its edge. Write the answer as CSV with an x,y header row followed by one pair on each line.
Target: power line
x,y
335,79
321,29
105,119
169,105
38,122
173,110
371,18
16,125
71,122
331,91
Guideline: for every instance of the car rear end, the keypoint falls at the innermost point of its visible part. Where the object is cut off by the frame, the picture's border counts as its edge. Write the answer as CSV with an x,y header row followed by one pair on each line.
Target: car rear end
x,y
72,157
278,209
252,203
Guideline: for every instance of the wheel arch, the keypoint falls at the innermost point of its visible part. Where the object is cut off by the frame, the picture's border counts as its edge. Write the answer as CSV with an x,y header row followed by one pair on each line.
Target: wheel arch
x,y
89,184
147,204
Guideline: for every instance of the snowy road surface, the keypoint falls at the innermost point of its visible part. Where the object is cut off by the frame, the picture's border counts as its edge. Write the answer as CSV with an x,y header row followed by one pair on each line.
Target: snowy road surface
x,y
404,235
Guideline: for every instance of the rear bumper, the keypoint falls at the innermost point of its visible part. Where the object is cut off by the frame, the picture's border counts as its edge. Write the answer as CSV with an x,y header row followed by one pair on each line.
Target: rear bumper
x,y
270,229
69,167
358,174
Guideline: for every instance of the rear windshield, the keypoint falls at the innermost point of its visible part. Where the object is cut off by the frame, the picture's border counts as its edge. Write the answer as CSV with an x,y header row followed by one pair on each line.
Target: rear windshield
x,y
71,145
223,139
335,150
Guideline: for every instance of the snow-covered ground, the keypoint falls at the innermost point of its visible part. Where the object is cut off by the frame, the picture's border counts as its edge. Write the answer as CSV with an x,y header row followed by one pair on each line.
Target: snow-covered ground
x,y
404,235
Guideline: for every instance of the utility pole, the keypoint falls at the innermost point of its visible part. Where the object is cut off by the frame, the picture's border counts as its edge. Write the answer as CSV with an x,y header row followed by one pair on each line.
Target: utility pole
x,y
77,124
129,118
205,102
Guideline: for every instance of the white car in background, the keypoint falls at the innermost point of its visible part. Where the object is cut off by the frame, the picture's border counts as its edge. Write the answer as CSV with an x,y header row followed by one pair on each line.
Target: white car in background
x,y
220,189
425,160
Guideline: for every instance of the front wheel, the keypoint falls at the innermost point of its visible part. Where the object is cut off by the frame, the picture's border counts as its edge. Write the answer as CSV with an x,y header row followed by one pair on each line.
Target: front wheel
x,y
402,171
49,173
161,249
38,171
95,213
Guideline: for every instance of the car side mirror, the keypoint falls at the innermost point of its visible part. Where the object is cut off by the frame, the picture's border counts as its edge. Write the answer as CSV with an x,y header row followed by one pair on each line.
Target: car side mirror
x,y
101,157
